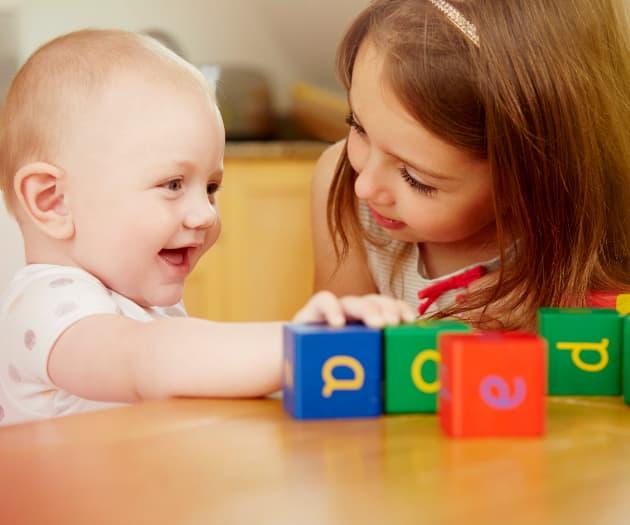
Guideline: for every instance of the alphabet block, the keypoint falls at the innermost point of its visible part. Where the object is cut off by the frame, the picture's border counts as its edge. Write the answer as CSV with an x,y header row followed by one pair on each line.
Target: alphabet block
x,y
626,359
493,384
623,304
411,364
332,372
584,350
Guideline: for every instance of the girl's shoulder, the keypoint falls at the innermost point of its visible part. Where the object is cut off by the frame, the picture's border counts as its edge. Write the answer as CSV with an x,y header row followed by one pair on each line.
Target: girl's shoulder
x,y
325,167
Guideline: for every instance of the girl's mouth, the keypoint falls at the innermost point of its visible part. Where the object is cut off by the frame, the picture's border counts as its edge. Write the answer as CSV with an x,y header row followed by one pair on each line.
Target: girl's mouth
x,y
389,224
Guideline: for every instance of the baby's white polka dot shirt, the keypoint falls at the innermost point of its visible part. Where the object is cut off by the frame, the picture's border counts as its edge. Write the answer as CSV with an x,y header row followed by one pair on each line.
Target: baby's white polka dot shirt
x,y
40,303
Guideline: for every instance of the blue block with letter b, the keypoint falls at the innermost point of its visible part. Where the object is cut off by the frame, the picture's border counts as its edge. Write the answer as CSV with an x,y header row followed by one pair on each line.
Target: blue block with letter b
x,y
332,372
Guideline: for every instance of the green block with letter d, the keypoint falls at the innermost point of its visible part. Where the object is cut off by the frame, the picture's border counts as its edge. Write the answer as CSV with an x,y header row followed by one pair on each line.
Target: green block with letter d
x,y
626,359
585,349
411,365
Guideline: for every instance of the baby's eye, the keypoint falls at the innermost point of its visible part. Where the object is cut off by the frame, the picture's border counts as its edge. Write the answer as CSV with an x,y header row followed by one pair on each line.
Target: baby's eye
x,y
173,185
212,188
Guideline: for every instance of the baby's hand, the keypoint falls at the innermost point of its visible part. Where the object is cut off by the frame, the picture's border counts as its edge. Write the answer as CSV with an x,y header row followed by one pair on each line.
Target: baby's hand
x,y
374,310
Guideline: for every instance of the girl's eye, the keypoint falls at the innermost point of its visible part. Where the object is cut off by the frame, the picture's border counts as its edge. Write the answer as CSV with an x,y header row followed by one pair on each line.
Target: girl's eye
x,y
416,184
173,185
354,124
212,188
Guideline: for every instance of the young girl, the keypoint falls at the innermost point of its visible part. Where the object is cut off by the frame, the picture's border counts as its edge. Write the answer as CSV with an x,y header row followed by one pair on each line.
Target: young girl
x,y
111,154
487,168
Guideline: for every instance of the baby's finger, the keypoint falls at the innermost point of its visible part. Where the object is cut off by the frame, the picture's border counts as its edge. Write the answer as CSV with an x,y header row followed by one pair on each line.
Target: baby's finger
x,y
363,309
394,311
407,313
323,306
386,306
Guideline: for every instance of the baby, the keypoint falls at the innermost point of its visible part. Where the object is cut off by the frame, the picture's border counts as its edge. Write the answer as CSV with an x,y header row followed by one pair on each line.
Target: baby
x,y
111,155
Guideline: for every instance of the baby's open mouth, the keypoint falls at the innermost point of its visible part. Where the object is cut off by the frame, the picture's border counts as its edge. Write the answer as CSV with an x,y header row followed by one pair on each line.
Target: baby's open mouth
x,y
175,256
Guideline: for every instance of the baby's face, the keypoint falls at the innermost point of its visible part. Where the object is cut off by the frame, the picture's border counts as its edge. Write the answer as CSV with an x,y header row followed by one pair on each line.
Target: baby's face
x,y
142,178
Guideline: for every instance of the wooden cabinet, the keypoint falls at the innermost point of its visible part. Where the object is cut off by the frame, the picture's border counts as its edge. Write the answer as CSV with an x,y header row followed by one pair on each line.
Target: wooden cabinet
x,y
261,267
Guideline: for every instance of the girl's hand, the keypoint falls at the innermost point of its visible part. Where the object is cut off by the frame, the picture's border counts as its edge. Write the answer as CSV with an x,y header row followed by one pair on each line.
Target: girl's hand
x,y
373,310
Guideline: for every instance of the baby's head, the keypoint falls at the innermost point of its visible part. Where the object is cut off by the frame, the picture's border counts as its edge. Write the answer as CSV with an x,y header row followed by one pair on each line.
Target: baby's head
x,y
111,150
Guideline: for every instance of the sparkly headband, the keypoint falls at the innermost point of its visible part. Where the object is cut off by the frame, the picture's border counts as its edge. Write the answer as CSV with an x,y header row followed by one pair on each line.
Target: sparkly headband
x,y
458,20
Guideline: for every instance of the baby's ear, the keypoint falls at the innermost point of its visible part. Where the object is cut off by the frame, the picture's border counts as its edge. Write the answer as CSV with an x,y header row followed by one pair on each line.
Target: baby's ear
x,y
39,188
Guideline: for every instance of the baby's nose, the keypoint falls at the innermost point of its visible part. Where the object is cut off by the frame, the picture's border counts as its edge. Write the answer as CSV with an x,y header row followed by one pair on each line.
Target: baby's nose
x,y
202,215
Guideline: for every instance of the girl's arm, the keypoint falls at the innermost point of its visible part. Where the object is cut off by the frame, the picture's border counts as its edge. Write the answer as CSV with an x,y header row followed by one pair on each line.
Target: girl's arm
x,y
113,358
352,276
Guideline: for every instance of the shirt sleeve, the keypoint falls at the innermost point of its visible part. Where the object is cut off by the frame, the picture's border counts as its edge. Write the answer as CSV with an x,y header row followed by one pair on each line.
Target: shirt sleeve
x,y
41,311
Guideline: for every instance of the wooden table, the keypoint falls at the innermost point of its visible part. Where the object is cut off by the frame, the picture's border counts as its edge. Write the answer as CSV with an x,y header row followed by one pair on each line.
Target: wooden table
x,y
223,462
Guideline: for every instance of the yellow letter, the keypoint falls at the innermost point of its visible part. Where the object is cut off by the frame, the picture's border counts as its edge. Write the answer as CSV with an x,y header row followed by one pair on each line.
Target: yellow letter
x,y
577,348
331,383
416,371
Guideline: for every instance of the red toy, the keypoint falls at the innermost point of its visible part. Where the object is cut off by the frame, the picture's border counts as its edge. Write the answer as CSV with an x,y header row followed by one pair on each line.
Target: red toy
x,y
493,384
601,299
615,300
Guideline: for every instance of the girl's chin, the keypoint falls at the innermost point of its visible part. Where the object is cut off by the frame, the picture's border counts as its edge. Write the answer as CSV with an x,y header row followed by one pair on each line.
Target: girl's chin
x,y
404,236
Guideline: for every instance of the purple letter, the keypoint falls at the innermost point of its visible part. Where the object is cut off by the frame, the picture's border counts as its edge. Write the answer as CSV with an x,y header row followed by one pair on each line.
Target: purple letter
x,y
494,392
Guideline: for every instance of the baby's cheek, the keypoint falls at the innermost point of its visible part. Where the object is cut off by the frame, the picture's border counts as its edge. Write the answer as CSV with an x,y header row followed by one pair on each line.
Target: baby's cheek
x,y
213,234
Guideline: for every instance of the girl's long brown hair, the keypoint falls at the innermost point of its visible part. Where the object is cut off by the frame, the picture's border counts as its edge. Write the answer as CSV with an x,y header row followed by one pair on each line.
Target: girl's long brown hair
x,y
545,99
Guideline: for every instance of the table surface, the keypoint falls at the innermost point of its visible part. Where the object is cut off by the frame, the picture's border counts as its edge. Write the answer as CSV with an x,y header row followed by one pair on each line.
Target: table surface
x,y
201,461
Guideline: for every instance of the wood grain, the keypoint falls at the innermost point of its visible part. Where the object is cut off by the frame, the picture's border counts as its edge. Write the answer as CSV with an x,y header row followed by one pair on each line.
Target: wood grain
x,y
202,461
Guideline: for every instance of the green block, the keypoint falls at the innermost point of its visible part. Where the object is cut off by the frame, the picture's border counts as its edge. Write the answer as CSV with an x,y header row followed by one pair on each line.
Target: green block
x,y
585,347
411,359
626,359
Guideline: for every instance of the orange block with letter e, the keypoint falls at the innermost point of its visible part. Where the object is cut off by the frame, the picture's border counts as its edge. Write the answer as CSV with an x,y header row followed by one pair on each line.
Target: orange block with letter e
x,y
493,384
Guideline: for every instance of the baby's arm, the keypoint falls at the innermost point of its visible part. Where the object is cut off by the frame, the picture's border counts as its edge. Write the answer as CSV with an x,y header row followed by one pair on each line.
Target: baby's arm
x,y
113,358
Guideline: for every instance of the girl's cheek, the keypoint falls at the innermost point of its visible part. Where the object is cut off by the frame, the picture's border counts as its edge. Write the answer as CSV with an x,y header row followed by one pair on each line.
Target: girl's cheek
x,y
357,152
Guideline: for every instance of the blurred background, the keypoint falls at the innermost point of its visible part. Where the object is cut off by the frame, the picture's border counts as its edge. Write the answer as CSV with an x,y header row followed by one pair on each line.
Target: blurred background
x,y
273,61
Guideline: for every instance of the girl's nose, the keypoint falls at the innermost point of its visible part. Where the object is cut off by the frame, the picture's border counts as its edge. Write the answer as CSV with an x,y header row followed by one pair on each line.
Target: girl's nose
x,y
372,185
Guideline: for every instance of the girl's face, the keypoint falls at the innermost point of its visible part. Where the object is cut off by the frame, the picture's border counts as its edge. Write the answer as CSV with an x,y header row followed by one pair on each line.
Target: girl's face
x,y
419,188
